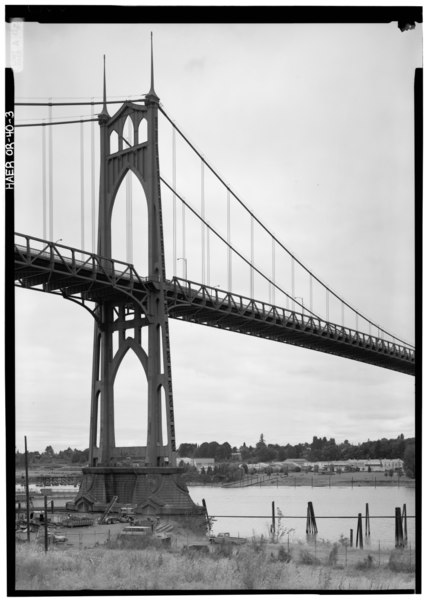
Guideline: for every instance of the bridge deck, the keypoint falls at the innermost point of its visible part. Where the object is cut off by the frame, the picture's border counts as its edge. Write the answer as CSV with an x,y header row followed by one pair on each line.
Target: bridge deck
x,y
58,269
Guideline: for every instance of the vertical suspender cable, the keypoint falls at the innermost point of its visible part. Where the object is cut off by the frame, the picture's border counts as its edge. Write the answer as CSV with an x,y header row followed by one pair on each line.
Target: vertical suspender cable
x,y
208,258
327,304
92,177
50,176
273,269
174,258
293,283
82,189
311,293
202,192
129,228
357,321
229,264
342,314
252,258
184,250
44,180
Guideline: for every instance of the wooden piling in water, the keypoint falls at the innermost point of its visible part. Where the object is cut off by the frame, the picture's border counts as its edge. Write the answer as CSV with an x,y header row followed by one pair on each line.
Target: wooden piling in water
x,y
367,522
311,526
405,524
398,532
359,533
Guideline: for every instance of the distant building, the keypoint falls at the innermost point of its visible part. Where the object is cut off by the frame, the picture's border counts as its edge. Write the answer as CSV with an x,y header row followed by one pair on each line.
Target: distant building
x,y
199,463
392,463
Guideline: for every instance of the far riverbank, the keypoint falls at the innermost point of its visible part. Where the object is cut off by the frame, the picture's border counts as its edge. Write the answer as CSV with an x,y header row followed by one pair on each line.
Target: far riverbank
x,y
355,479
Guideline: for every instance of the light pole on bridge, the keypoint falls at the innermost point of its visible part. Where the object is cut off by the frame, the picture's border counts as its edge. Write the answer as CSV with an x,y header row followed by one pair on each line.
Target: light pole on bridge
x,y
184,260
302,302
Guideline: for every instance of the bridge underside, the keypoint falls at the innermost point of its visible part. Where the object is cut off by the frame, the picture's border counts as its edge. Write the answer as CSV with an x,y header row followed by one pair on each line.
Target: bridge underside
x,y
296,334
98,280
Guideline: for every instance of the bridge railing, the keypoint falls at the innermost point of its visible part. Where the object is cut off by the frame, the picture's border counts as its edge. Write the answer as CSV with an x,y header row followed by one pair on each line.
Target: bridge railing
x,y
76,262
228,301
86,265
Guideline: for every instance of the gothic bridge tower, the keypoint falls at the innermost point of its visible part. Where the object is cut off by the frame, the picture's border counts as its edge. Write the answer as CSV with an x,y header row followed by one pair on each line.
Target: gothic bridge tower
x,y
152,481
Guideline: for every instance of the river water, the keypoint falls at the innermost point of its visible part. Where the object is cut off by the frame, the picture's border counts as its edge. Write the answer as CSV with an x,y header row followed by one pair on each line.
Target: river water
x,y
234,507
327,502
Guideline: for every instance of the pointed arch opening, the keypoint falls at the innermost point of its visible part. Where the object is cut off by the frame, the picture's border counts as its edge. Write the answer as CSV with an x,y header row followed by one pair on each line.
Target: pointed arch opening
x,y
142,132
98,419
159,333
128,133
129,224
164,409
130,402
114,142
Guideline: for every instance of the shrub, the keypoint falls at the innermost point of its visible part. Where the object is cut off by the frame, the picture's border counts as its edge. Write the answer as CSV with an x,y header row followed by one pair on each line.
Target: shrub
x,y
333,556
224,550
365,564
307,558
283,555
401,562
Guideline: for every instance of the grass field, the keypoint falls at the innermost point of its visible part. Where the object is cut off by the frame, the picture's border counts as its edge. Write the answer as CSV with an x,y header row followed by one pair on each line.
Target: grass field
x,y
146,565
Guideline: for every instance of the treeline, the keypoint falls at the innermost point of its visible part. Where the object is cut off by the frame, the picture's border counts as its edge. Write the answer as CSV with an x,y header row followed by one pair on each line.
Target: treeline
x,y
320,449
50,456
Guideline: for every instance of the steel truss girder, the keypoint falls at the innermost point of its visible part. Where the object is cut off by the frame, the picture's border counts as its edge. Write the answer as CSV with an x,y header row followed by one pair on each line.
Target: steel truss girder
x,y
201,304
212,307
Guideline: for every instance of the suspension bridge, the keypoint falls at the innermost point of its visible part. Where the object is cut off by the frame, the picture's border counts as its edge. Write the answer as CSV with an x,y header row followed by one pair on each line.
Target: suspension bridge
x,y
270,293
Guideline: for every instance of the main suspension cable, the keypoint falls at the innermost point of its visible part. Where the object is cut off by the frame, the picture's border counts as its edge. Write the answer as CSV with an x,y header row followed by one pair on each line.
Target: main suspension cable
x,y
261,224
248,262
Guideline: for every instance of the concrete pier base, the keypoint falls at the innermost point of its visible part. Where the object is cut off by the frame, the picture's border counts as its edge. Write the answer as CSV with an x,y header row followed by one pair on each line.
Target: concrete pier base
x,y
156,491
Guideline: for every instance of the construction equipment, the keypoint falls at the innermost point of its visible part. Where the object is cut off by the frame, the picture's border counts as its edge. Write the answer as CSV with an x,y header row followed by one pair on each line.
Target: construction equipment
x,y
108,510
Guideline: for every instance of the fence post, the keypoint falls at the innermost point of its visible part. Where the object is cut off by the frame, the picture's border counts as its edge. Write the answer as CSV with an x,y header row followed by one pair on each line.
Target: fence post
x,y
273,521
51,506
46,538
351,538
346,555
367,522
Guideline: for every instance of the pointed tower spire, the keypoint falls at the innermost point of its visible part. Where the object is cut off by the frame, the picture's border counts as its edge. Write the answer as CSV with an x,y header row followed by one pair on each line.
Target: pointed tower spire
x,y
152,94
104,112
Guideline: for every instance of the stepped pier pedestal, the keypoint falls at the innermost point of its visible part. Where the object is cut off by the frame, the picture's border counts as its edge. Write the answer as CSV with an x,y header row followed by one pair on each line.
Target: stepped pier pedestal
x,y
156,491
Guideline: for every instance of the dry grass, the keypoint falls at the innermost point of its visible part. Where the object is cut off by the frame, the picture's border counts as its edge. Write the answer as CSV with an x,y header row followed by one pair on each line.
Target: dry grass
x,y
248,567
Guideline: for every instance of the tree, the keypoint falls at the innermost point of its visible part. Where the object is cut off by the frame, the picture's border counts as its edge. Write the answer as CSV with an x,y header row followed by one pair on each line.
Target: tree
x,y
49,451
409,459
187,450
261,443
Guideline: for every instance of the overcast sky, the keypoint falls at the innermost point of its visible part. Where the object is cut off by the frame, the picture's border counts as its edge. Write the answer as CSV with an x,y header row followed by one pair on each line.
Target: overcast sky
x,y
312,126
